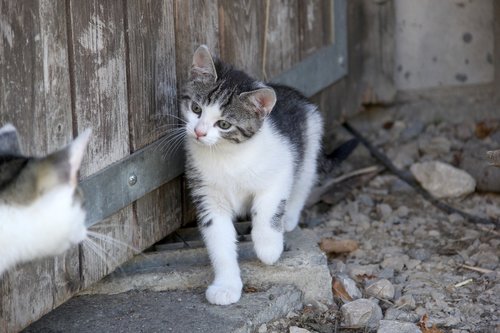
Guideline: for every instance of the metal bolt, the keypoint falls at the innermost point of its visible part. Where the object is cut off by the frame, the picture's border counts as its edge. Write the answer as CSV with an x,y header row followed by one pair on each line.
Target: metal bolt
x,y
132,179
341,60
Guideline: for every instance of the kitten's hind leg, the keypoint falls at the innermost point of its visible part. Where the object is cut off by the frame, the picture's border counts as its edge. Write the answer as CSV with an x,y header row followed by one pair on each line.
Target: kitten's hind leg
x,y
267,227
220,239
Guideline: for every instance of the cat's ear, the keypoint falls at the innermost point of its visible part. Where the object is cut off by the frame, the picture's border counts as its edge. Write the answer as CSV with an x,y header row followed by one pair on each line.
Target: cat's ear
x,y
262,100
9,141
77,149
203,67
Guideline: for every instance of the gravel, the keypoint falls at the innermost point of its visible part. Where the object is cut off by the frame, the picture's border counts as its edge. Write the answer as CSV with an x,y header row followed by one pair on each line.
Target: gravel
x,y
444,270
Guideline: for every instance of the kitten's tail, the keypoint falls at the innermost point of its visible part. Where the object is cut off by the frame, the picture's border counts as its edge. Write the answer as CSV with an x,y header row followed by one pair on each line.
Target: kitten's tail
x,y
339,154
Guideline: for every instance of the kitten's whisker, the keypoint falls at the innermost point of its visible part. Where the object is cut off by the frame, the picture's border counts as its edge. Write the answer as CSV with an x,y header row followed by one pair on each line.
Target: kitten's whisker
x,y
97,251
165,141
178,118
114,241
172,144
176,144
104,256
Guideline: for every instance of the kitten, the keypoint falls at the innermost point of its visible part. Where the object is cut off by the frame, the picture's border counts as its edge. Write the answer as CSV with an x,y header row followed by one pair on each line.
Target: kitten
x,y
251,148
41,210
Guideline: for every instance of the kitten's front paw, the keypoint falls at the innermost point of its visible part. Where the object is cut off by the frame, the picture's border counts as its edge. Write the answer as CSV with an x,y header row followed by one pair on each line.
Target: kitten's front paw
x,y
223,295
268,249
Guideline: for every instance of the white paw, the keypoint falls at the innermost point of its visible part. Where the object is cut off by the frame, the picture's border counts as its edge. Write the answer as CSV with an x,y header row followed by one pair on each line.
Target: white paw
x,y
291,222
290,225
268,248
223,294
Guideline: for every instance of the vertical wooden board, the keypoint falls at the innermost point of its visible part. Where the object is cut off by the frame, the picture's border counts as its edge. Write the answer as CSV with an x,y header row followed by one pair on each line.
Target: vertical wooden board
x,y
496,54
241,31
153,109
196,23
282,49
159,213
316,25
34,81
98,54
99,75
35,97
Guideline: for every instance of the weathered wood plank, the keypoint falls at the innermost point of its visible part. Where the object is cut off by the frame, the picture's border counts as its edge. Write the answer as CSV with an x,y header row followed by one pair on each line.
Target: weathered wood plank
x,y
35,97
152,109
100,101
282,49
316,25
196,23
241,31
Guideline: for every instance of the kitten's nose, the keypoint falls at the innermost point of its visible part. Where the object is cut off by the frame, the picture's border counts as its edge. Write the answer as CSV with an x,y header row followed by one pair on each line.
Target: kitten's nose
x,y
199,133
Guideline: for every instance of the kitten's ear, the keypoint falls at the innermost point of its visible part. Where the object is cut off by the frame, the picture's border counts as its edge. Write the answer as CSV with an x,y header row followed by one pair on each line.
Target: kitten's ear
x,y
9,141
262,100
203,67
76,150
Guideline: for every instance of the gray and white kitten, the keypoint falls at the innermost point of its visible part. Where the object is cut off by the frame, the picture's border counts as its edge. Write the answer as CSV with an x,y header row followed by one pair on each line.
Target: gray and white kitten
x,y
251,148
41,212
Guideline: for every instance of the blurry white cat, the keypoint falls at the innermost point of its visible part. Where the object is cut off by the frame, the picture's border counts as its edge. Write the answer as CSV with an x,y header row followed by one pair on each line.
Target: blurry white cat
x,y
41,210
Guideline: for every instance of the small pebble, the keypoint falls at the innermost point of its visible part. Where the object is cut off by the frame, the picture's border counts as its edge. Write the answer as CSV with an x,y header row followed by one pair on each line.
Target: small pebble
x,y
361,313
381,289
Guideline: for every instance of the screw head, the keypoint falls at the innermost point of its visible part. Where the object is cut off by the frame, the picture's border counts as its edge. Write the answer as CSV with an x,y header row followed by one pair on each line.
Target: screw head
x,y
132,179
341,60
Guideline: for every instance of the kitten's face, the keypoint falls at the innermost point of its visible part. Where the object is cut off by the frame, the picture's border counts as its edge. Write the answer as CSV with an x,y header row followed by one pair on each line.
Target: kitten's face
x,y
43,191
222,105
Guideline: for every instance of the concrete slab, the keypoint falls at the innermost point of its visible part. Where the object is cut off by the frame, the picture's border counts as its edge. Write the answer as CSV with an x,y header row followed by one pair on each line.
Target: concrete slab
x,y
163,291
173,311
302,264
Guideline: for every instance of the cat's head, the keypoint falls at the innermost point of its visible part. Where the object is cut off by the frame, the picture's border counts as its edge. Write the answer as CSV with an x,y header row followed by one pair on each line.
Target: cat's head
x,y
222,105
43,191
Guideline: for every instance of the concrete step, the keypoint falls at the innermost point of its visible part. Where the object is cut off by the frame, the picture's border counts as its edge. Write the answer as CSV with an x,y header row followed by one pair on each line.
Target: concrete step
x,y
163,291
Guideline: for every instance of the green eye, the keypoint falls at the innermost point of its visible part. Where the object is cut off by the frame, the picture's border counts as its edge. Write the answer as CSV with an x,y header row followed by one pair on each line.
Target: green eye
x,y
223,124
195,108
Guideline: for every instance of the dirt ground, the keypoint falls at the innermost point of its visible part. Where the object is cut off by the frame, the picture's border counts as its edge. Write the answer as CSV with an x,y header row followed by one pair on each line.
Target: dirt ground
x,y
439,271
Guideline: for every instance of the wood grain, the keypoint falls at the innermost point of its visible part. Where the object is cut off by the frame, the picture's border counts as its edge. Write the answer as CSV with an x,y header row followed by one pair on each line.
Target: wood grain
x,y
152,103
98,52
35,97
316,25
241,31
282,37
196,23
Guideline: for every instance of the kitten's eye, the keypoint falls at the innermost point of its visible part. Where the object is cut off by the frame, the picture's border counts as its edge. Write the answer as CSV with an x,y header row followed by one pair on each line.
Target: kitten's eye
x,y
223,124
195,108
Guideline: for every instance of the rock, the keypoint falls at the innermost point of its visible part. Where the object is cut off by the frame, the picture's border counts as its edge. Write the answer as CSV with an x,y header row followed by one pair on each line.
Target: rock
x,y
349,286
413,129
329,245
366,200
396,262
296,329
487,259
434,146
422,254
406,302
381,289
401,315
399,186
392,326
402,211
474,161
384,211
262,328
361,313
443,180
355,271
455,218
